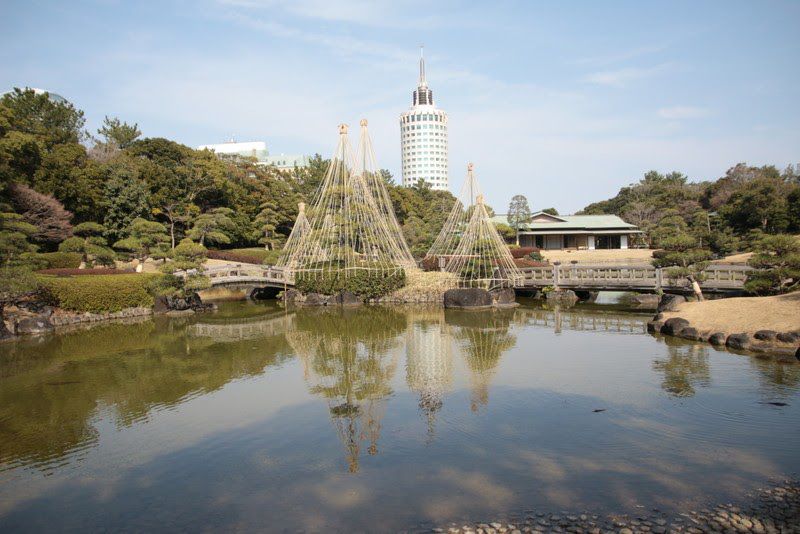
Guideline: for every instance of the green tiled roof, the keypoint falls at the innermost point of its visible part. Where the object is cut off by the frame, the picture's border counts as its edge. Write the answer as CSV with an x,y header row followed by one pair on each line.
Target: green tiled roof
x,y
573,222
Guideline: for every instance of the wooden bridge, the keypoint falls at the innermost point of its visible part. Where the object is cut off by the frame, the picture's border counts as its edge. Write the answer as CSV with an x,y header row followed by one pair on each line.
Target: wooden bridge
x,y
642,278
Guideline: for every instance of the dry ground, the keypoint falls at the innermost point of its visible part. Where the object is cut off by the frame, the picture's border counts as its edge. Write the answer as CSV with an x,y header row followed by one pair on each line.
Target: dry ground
x,y
633,255
742,314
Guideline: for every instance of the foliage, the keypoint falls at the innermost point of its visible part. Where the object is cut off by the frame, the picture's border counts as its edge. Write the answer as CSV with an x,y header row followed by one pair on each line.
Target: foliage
x,y
506,232
521,252
213,227
125,199
121,134
50,122
44,212
720,214
14,238
189,257
683,258
57,260
363,282
550,211
99,294
145,237
777,264
519,212
90,243
15,282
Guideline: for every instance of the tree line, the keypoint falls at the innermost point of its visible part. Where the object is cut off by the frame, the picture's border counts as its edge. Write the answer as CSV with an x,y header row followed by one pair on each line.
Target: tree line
x,y
115,190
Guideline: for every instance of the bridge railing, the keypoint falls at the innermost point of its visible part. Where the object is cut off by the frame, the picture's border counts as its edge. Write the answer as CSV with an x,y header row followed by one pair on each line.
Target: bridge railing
x,y
248,273
632,276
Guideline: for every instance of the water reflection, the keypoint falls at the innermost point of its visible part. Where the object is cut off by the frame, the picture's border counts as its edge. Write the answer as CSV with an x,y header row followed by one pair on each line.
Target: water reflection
x,y
378,416
684,369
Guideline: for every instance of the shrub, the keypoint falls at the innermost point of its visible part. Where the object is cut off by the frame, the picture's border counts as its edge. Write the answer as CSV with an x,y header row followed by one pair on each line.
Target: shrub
x,y
430,263
59,260
362,282
246,255
83,272
521,252
99,294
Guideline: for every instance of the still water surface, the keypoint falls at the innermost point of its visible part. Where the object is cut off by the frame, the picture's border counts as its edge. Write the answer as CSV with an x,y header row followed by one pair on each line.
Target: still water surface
x,y
374,419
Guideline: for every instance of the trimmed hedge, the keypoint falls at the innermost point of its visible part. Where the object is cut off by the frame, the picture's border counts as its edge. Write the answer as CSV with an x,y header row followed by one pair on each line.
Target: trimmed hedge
x,y
521,252
102,293
246,255
59,260
84,272
364,283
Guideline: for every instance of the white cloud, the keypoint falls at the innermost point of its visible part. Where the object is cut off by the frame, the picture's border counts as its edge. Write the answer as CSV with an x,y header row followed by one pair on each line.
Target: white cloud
x,y
683,112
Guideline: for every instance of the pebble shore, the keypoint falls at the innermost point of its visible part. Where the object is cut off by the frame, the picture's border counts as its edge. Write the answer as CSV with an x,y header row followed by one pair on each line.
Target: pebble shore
x,y
771,511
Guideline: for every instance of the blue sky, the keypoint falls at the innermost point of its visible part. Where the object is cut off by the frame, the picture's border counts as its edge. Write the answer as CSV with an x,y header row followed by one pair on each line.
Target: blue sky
x,y
564,102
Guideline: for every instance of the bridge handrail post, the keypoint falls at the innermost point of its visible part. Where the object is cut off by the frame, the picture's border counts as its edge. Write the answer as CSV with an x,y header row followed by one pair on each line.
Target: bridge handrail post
x,y
658,278
555,276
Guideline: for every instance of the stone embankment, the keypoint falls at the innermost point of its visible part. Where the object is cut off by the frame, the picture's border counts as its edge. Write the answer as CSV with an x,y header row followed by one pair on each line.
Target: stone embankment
x,y
765,325
771,511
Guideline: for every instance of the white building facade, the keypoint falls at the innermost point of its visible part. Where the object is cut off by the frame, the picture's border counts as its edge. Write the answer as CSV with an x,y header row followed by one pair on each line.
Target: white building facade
x,y
423,139
258,150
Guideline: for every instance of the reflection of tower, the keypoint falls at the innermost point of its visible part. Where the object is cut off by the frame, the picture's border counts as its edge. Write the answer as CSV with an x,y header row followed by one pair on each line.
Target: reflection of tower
x,y
429,366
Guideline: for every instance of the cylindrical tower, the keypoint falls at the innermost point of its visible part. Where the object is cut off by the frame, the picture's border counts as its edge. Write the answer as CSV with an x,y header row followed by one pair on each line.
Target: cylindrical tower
x,y
423,138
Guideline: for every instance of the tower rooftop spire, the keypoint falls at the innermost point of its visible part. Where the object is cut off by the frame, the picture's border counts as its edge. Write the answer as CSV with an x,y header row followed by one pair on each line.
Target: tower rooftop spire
x,y
422,81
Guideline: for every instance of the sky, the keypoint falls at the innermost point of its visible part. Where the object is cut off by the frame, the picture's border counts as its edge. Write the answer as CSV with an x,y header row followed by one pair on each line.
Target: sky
x,y
563,102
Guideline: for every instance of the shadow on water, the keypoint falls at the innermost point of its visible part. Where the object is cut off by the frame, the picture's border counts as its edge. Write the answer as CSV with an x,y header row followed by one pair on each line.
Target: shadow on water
x,y
376,418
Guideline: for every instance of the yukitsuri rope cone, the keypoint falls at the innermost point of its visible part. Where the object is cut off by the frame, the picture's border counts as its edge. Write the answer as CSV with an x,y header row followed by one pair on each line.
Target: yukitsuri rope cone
x,y
366,165
301,227
482,258
348,233
447,241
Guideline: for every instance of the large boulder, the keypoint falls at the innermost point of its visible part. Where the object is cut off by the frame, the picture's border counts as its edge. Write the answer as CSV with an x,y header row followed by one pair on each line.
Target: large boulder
x,y
654,326
738,341
766,335
788,337
503,297
644,300
718,338
670,302
673,326
161,304
315,299
290,296
470,297
690,333
562,296
345,298
33,325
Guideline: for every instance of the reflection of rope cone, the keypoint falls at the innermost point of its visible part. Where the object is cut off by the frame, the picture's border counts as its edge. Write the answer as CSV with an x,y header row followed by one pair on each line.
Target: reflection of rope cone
x,y
429,367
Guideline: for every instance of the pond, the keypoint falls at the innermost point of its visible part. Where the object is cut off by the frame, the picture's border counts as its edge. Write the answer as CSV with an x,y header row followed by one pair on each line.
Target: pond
x,y
379,419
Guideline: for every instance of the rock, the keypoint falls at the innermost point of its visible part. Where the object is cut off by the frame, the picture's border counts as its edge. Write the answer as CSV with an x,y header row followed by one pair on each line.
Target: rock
x,y
161,304
788,337
562,296
718,338
674,325
654,326
345,298
180,313
670,302
467,298
290,296
315,299
644,300
766,335
33,325
691,333
738,341
503,297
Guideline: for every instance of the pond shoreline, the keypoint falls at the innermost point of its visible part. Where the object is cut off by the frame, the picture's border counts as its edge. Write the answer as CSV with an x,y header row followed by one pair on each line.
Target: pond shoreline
x,y
772,510
759,325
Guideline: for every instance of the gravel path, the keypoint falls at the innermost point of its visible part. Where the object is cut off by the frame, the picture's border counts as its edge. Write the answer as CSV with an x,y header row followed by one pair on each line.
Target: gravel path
x,y
771,511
